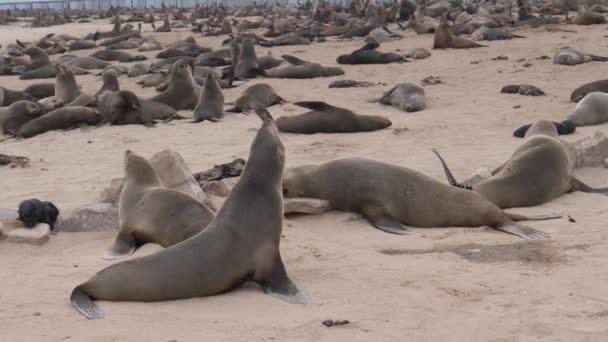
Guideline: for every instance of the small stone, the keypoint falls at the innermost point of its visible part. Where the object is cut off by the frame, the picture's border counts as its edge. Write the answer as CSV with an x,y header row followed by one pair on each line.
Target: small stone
x,y
37,235
306,205
216,188
328,323
341,322
517,107
111,193
570,219
36,313
93,218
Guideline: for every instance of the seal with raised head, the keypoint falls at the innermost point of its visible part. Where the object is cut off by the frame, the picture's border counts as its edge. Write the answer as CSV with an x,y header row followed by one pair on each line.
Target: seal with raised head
x,y
66,87
444,39
210,102
247,66
49,104
62,118
591,110
150,212
325,118
394,198
241,244
596,86
38,58
182,91
406,96
110,82
302,69
261,93
537,172
17,114
368,55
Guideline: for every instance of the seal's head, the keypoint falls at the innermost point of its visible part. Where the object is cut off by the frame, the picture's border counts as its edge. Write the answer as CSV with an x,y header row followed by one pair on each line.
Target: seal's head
x,y
26,107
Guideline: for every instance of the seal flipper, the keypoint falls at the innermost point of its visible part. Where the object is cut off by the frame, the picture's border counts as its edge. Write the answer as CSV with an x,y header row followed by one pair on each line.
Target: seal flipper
x,y
123,246
522,231
382,220
598,58
293,60
451,179
577,185
315,105
277,284
83,304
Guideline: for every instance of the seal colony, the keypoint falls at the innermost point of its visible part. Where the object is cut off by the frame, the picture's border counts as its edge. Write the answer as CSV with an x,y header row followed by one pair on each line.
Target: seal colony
x,y
208,253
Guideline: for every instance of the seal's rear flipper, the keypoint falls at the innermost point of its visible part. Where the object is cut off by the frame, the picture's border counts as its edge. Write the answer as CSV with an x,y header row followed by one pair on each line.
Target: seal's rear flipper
x,y
293,60
451,179
278,285
577,185
517,217
382,220
123,246
524,232
598,58
315,105
83,303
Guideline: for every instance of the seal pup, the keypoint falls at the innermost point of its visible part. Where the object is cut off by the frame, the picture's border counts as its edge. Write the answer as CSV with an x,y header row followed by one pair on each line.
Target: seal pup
x,y
125,108
238,246
62,118
150,212
486,33
325,118
38,58
139,69
49,104
406,96
8,96
582,91
66,87
570,56
182,92
302,69
258,93
210,102
394,199
247,66
537,172
17,114
110,83
368,55
268,61
591,110
444,39
41,90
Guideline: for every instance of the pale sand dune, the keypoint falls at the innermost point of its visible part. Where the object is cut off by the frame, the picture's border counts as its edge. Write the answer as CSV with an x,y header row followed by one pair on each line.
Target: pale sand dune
x,y
392,288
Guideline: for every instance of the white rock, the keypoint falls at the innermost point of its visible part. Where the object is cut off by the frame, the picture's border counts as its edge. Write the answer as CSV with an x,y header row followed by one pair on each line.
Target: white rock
x,y
37,235
479,176
93,218
216,188
306,206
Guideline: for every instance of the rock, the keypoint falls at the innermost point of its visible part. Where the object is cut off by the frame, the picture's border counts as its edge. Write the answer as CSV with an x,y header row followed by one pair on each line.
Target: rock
x,y
479,176
37,235
93,218
306,206
176,175
588,152
7,214
216,188
111,193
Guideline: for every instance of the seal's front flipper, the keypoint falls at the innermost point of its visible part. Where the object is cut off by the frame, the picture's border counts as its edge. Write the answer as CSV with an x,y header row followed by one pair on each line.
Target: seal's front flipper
x,y
577,185
83,303
524,232
278,285
123,246
382,220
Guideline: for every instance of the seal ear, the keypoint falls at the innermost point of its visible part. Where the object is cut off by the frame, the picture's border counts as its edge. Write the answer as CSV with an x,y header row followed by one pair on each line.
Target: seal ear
x,y
293,60
130,99
315,105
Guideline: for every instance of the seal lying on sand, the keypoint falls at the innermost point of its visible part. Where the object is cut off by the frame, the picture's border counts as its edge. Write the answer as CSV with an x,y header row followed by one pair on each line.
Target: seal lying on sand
x,y
258,93
325,118
591,110
302,69
17,114
394,198
150,212
368,55
570,56
241,244
537,172
407,96
8,96
62,118
582,91
125,108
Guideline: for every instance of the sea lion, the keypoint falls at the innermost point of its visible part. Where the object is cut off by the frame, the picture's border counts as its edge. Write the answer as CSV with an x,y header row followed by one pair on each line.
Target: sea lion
x,y
486,33
110,83
49,104
48,71
74,45
62,118
139,69
537,172
570,56
302,69
41,90
407,96
258,93
38,58
268,62
394,198
152,80
125,108
182,92
286,39
444,39
368,55
131,43
8,96
149,212
247,67
586,17
591,110
563,128
582,91
238,246
210,102
87,63
115,55
17,114
66,87
120,38
325,118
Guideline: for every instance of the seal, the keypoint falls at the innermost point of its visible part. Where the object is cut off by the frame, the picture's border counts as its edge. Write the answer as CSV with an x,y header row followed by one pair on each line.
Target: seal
x,y
368,55
582,91
115,55
325,118
268,61
62,118
591,110
17,114
537,172
406,96
394,198
182,92
125,108
139,69
38,58
444,39
486,33
247,66
110,83
87,63
66,87
41,90
210,102
261,93
563,128
239,245
49,104
570,56
148,212
8,96
286,39
302,69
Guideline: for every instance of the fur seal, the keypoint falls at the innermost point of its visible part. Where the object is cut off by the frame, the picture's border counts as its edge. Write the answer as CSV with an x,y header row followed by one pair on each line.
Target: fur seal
x,y
591,110
182,91
302,69
486,33
585,17
407,96
115,55
66,87
48,71
570,56
49,104
258,93
41,90
238,246
38,58
150,212
286,39
17,114
563,128
394,198
325,118
445,39
8,96
62,118
110,83
153,80
139,69
247,66
368,55
74,45
210,102
537,172
582,91
125,108
87,63
268,62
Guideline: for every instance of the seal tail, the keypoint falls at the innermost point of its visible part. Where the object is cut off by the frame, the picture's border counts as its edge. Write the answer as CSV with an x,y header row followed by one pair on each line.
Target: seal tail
x,y
83,303
511,227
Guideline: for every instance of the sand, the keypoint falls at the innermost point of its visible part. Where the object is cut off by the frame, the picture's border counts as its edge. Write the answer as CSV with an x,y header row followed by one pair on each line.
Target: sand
x,y
449,284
